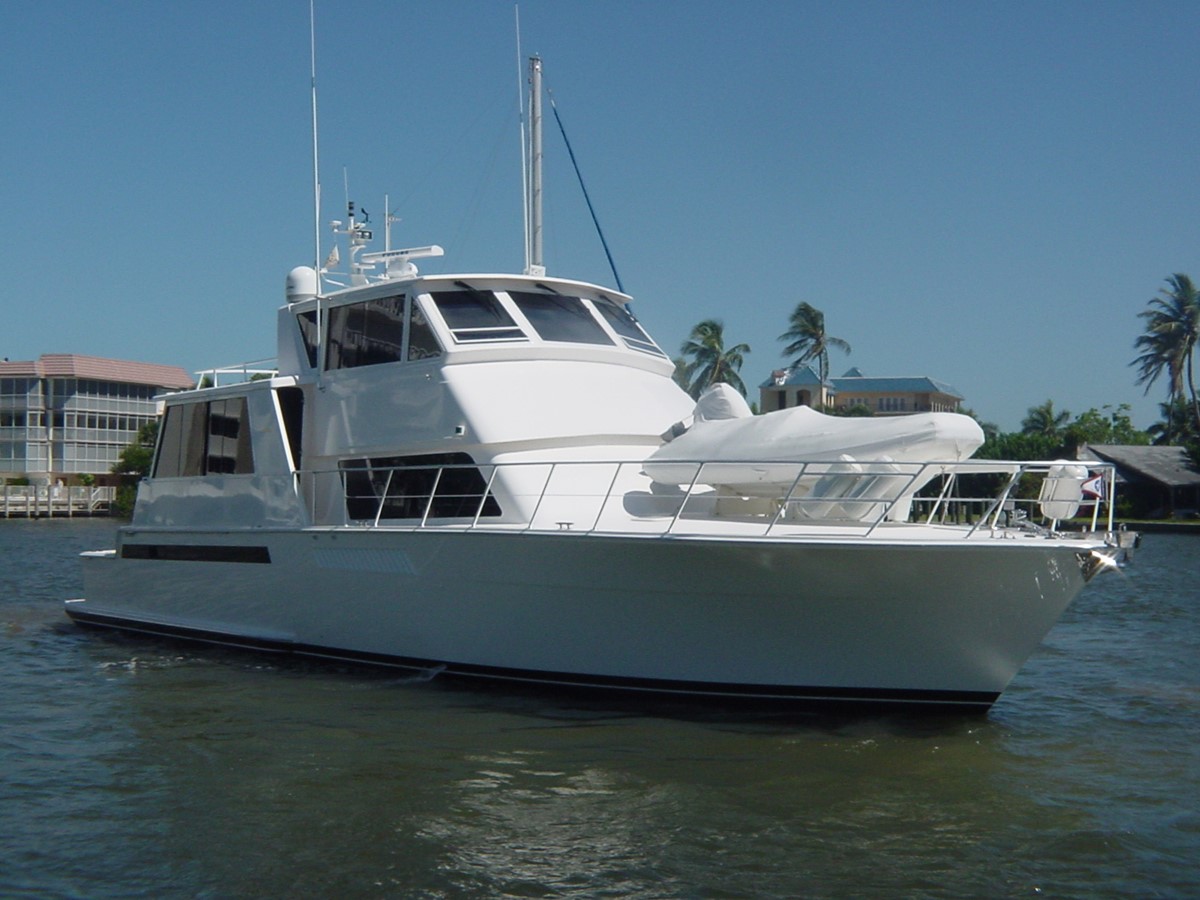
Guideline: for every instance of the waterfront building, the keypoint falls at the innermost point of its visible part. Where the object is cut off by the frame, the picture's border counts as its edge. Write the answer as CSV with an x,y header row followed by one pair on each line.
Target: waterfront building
x,y
1158,482
65,415
884,396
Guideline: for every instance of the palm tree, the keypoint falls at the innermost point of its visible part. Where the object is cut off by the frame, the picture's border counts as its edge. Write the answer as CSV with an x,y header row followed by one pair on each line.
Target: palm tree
x,y
1043,420
706,361
1175,425
1169,342
808,339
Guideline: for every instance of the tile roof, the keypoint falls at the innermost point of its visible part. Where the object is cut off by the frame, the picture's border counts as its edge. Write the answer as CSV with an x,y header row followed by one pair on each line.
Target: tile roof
x,y
792,376
909,384
74,365
855,382
1166,465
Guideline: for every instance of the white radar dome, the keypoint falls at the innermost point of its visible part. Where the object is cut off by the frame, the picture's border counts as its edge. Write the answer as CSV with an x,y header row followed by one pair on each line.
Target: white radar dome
x,y
301,284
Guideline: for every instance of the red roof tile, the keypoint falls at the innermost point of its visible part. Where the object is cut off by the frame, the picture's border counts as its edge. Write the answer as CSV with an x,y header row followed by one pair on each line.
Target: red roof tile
x,y
73,365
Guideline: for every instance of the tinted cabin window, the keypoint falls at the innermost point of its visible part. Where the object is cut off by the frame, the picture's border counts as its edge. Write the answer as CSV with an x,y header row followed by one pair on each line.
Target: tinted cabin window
x,y
406,487
308,332
559,318
228,438
422,342
366,334
291,405
205,439
623,323
474,316
182,441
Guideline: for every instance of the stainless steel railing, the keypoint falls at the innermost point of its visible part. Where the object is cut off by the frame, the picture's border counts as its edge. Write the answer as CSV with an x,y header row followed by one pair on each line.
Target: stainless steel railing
x,y
617,496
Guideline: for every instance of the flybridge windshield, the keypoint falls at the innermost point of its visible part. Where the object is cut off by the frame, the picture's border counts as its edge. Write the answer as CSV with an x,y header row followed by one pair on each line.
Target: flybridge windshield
x,y
478,316
559,318
475,316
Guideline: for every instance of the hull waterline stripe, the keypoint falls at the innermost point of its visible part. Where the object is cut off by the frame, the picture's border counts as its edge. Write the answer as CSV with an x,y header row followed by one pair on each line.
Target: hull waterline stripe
x,y
855,696
196,553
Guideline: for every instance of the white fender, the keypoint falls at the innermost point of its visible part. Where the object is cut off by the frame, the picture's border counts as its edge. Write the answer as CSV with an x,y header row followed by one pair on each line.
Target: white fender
x,y
1062,490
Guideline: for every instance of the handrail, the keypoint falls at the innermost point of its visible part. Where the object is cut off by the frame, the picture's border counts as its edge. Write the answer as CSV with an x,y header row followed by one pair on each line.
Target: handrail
x,y
245,371
820,493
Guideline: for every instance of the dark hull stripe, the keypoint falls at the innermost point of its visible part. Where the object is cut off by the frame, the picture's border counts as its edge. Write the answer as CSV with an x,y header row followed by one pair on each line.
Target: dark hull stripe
x,y
939,700
197,553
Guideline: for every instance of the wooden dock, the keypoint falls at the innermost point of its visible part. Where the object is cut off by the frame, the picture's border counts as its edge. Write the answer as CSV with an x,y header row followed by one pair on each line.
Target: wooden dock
x,y
53,501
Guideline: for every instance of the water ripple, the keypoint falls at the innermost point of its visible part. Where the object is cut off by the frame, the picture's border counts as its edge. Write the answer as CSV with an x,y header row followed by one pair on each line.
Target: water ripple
x,y
144,768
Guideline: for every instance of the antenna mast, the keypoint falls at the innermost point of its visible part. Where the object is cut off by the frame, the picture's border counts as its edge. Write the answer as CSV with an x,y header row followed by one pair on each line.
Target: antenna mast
x,y
524,145
534,264
312,37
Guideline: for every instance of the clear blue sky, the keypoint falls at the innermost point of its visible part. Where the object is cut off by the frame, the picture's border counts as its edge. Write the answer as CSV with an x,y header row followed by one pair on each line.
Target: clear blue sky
x,y
985,193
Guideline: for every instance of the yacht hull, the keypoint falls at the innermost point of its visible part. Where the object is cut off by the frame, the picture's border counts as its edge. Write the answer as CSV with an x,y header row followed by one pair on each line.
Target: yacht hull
x,y
813,622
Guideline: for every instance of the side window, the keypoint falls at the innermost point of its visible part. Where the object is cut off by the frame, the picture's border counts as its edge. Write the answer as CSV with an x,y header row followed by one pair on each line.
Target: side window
x,y
385,331
229,450
308,333
291,405
205,439
475,316
623,323
366,334
168,460
422,342
181,442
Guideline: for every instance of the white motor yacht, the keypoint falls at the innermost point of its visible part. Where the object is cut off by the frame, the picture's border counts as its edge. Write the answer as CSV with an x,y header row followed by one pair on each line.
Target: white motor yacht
x,y
496,476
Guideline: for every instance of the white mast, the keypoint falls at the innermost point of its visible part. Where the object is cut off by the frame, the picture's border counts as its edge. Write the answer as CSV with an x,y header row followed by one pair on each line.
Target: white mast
x,y
312,39
524,142
534,264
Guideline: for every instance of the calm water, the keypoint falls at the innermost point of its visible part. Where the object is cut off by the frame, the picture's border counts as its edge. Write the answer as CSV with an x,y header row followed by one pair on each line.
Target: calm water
x,y
138,768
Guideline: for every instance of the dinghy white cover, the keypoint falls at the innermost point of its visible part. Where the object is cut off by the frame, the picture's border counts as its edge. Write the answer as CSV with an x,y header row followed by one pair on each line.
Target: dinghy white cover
x,y
750,453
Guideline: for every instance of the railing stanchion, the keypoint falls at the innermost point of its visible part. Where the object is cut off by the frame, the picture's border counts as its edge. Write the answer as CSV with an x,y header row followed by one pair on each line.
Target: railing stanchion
x,y
541,496
387,486
686,496
787,498
950,478
607,496
1110,495
487,492
437,480
889,505
998,502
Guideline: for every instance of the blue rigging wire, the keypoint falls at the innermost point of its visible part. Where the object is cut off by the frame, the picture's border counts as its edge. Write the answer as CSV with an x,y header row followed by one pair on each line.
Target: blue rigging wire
x,y
583,187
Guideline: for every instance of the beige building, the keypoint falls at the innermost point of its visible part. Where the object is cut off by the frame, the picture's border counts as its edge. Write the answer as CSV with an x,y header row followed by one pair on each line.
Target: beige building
x,y
65,414
884,396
